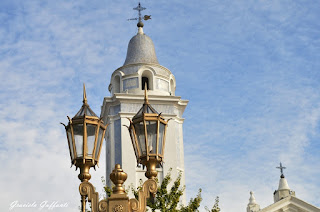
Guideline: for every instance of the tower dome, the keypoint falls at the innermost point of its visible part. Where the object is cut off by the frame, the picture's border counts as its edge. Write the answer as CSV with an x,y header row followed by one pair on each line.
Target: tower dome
x,y
141,68
283,184
141,49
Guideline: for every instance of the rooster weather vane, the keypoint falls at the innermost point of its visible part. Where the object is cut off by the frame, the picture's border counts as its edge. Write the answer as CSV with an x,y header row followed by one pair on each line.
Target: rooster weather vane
x,y
139,9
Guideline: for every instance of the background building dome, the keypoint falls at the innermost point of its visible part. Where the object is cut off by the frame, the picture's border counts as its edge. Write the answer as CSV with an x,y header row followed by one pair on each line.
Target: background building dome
x,y
141,50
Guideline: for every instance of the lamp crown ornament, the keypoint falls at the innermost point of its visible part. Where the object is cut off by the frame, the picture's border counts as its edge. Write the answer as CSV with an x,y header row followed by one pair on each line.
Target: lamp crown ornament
x,y
84,95
146,101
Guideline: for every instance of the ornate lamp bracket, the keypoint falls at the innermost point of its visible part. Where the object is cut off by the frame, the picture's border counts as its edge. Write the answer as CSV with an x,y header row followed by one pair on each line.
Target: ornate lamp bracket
x,y
118,201
149,186
87,190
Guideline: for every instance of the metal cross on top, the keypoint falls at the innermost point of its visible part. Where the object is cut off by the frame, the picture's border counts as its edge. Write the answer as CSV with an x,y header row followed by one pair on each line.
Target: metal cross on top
x,y
139,9
281,168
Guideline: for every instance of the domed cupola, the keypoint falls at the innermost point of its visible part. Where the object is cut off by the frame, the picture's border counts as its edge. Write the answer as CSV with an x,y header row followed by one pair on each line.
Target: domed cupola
x,y
141,68
141,49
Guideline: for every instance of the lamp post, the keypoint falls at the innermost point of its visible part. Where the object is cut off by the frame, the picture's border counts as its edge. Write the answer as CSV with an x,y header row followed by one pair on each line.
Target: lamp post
x,y
85,134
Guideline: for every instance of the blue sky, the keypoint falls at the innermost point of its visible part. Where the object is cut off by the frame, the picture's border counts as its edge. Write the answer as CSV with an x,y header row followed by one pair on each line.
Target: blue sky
x,y
251,70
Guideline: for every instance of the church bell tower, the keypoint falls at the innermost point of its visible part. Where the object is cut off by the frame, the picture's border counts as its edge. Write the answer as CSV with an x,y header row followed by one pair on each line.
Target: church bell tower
x,y
141,68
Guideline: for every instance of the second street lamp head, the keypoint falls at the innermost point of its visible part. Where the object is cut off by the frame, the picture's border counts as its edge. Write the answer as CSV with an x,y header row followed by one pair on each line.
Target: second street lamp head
x,y
85,133
147,131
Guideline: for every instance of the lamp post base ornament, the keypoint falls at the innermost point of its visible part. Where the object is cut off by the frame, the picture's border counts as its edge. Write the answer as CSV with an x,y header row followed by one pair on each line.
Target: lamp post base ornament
x,y
118,201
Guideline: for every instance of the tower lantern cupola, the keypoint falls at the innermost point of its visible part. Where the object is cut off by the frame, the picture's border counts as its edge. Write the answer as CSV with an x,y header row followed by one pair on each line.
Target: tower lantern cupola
x,y
141,67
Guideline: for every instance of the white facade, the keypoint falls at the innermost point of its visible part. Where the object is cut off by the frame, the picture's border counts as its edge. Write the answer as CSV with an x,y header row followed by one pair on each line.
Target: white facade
x,y
284,201
127,97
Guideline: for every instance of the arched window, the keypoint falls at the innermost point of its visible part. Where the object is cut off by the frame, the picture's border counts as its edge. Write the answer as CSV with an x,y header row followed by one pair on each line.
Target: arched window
x,y
145,81
147,77
116,85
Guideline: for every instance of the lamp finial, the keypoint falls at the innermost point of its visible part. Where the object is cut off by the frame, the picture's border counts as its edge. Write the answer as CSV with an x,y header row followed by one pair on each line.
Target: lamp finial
x,y
118,177
84,94
146,101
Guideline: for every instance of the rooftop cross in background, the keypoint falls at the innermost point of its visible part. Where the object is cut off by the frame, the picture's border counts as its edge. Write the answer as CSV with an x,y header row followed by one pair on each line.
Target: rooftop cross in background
x,y
281,168
139,9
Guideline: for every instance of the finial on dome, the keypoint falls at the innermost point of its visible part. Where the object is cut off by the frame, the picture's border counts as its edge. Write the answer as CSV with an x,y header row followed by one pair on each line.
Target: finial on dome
x,y
146,17
252,199
283,184
252,206
140,24
140,27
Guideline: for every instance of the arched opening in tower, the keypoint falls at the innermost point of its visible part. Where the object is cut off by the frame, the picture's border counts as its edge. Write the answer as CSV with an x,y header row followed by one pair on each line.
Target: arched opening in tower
x,y
116,87
145,81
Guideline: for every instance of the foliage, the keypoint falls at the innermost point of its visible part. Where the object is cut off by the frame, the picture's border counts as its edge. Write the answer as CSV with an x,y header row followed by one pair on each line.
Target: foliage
x,y
215,207
169,200
166,199
106,188
193,205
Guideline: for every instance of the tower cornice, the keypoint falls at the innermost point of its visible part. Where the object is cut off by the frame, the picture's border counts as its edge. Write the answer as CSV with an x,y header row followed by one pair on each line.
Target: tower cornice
x,y
140,64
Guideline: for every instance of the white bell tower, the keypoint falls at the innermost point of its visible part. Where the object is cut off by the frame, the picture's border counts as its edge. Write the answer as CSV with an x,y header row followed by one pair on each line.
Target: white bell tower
x,y
127,96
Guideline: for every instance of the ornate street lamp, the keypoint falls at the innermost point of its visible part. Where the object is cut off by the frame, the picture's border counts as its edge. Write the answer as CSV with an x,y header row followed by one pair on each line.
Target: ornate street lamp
x,y
148,131
85,133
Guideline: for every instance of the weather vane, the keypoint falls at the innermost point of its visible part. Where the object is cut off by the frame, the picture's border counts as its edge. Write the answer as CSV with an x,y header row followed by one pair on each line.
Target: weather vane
x,y
139,9
281,169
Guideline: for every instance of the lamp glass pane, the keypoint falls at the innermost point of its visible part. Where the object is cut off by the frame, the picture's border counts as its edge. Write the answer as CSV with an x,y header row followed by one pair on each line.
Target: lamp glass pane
x,y
80,112
91,136
161,137
139,128
133,142
89,112
70,142
78,139
98,143
152,136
